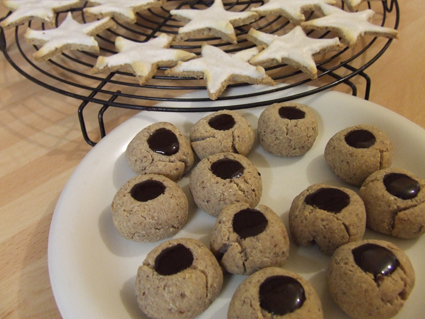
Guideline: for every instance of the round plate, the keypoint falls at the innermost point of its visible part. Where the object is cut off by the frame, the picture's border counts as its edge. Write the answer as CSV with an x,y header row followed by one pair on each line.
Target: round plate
x,y
93,269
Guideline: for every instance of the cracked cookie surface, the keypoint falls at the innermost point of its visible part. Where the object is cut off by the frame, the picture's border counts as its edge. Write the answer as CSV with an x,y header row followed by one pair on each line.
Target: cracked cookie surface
x,y
246,239
328,216
223,179
148,208
357,151
222,131
370,279
395,202
160,148
179,279
287,129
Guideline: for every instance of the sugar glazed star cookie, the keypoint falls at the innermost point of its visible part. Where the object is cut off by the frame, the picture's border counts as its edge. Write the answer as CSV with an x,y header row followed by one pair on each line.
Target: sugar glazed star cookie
x,y
350,25
70,35
294,48
44,10
293,10
121,10
215,20
219,68
353,4
142,58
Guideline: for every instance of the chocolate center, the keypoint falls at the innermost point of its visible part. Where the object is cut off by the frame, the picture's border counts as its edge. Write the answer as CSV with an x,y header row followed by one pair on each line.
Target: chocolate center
x,y
291,113
375,259
226,168
280,295
173,260
249,222
164,142
360,139
401,185
330,199
222,122
147,190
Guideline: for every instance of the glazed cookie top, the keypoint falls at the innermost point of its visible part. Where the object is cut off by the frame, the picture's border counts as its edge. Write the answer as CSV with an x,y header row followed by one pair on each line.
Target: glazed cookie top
x,y
370,279
275,292
222,131
162,149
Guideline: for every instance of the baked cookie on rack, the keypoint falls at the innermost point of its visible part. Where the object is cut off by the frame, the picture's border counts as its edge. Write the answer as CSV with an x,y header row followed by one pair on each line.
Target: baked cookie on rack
x,y
293,10
219,69
142,58
349,25
294,48
121,10
215,20
70,35
353,4
43,10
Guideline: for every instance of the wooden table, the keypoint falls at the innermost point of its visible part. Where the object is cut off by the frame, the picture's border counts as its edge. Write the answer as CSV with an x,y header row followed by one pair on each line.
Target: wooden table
x,y
41,144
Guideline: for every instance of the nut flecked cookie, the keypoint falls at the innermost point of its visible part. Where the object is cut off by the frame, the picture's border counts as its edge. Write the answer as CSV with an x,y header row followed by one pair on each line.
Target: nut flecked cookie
x,y
220,132
160,148
395,202
370,279
287,129
149,207
179,279
223,179
246,239
358,151
328,216
275,293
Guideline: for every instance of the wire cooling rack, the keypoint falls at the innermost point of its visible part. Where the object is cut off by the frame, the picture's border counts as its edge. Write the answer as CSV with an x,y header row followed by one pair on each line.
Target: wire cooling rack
x,y
69,73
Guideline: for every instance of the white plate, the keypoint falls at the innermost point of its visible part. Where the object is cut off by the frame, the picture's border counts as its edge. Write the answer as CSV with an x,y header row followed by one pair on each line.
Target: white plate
x,y
92,268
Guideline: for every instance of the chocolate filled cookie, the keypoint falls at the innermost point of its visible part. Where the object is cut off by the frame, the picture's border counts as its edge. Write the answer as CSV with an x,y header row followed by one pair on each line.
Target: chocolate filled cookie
x,y
223,179
287,129
179,279
328,216
149,207
221,132
275,293
358,151
370,279
246,239
395,202
162,149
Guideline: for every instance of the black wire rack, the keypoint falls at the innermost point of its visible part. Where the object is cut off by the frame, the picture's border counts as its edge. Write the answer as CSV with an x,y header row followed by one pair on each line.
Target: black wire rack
x,y
69,73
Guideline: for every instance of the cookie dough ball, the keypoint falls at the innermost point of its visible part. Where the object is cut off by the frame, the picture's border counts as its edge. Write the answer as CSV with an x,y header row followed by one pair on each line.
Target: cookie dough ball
x,y
395,202
179,279
221,132
370,279
287,129
160,148
328,216
358,151
223,179
246,239
275,293
149,207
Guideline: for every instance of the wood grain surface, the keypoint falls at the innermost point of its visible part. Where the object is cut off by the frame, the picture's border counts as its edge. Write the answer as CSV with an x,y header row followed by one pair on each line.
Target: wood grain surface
x,y
41,144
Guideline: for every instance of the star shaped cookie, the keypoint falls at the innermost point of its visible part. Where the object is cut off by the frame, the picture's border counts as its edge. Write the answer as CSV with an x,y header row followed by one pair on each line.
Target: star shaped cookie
x,y
350,25
44,10
219,69
119,9
70,35
142,58
353,4
294,48
212,21
293,10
